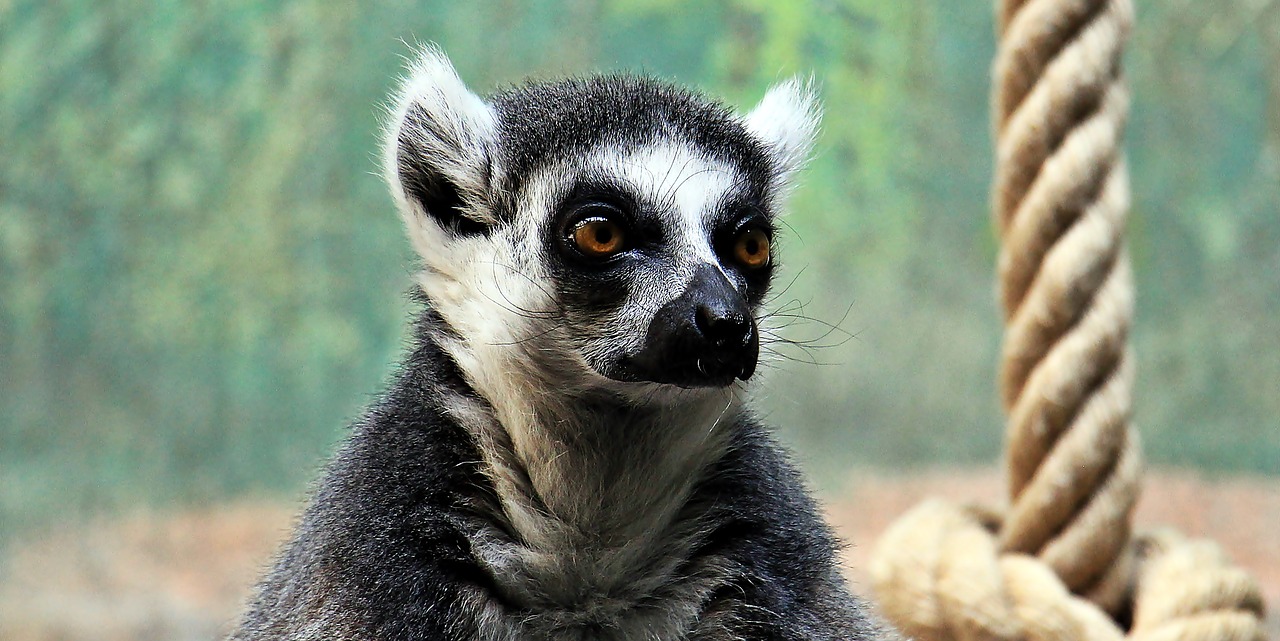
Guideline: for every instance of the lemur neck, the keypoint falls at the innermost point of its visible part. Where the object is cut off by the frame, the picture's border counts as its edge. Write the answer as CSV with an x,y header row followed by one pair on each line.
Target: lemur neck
x,y
616,469
605,464
595,489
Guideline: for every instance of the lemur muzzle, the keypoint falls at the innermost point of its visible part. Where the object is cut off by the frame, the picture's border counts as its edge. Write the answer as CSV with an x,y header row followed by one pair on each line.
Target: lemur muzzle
x,y
705,337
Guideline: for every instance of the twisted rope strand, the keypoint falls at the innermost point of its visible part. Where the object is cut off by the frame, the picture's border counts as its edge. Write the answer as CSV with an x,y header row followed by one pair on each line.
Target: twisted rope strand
x,y
1061,196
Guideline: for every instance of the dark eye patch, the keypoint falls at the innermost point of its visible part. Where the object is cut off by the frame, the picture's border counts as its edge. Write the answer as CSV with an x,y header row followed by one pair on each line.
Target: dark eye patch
x,y
736,215
598,190
739,214
739,206
603,196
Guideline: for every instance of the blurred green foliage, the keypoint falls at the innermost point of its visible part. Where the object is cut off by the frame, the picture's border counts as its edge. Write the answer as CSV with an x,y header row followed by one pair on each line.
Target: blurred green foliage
x,y
202,279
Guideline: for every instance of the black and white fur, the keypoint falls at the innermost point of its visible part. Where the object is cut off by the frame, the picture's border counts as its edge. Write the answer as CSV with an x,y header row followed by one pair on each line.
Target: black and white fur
x,y
533,472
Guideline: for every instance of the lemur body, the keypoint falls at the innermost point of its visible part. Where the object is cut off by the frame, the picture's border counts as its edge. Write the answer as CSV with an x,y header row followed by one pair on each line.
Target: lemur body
x,y
565,454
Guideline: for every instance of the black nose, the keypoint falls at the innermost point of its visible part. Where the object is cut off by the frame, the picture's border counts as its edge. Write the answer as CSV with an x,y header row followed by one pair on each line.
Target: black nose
x,y
730,339
724,328
705,337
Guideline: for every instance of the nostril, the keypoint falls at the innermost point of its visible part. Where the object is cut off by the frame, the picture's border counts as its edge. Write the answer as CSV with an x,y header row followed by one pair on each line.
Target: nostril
x,y
722,329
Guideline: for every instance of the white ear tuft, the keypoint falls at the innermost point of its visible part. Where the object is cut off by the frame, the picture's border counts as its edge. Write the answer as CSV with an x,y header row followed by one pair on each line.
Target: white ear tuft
x,y
438,146
786,120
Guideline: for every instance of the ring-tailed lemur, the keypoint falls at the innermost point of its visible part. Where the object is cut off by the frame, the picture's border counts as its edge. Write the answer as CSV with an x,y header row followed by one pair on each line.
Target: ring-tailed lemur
x,y
565,454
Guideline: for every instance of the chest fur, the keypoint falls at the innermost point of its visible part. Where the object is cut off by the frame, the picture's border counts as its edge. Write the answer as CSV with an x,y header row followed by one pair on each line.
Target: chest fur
x,y
573,597
597,522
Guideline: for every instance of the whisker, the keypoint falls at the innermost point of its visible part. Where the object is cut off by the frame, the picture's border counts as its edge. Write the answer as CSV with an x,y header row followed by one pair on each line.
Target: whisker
x,y
526,339
515,308
770,300
705,170
808,358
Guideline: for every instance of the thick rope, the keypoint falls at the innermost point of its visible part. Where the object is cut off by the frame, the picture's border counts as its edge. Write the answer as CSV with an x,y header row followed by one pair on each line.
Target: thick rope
x,y
1060,563
1062,200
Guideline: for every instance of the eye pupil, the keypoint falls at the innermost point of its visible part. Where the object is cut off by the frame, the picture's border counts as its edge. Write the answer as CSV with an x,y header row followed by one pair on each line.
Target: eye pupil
x,y
597,237
752,249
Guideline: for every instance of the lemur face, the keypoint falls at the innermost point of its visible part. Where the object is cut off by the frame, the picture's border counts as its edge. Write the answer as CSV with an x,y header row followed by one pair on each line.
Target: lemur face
x,y
611,230
659,256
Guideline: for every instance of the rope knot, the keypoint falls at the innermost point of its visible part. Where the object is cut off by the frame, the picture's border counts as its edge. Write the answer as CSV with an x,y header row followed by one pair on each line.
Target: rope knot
x,y
939,575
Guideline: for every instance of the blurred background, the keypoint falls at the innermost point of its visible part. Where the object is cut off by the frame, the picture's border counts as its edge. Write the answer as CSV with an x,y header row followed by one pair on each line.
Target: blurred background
x,y
202,279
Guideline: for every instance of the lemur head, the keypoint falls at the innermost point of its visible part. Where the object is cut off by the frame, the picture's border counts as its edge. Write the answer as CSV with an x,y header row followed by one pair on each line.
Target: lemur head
x,y
611,231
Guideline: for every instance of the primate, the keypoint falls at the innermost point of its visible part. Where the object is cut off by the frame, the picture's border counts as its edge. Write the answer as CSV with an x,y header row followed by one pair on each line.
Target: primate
x,y
566,452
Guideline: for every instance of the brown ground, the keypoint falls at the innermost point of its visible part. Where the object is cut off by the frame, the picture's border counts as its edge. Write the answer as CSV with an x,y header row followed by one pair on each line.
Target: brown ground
x,y
183,576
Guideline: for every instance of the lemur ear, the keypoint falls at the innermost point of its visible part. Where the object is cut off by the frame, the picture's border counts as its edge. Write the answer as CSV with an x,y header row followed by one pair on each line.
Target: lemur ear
x,y
786,120
438,149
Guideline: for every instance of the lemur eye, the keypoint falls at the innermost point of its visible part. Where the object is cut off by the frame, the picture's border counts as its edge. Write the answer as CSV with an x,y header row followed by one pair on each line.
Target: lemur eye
x,y
598,237
751,248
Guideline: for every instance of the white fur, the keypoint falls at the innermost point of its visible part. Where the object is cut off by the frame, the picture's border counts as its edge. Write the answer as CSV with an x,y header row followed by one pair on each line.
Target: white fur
x,y
465,129
787,121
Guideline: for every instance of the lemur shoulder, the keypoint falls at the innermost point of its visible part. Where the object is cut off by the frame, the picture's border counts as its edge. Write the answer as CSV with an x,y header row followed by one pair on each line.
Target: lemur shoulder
x,y
565,452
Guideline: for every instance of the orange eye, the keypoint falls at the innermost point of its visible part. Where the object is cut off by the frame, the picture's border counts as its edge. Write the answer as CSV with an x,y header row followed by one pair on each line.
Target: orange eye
x,y
598,237
751,249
